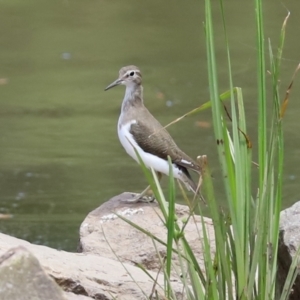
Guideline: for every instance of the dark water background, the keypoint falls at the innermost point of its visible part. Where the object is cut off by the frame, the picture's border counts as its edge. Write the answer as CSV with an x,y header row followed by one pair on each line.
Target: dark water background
x,y
59,153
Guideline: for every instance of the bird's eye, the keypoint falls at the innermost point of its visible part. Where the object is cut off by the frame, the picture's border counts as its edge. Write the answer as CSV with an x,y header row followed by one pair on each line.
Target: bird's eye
x,y
131,73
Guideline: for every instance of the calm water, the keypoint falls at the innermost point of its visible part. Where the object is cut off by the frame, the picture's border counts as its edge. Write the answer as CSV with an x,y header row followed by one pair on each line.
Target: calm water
x,y
59,153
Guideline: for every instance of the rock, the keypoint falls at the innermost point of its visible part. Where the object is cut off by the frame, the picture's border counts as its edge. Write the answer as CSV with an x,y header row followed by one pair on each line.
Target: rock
x,y
106,235
288,244
89,275
22,277
105,242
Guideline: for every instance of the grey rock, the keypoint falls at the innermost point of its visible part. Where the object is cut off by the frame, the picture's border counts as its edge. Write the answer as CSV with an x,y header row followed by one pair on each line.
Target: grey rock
x,y
104,234
288,244
22,277
90,276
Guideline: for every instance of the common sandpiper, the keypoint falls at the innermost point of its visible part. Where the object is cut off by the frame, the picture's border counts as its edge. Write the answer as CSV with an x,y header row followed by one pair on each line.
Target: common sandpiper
x,y
138,129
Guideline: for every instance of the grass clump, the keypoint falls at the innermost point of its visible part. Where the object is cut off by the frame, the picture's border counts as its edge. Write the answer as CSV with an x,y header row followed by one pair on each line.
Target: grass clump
x,y
244,263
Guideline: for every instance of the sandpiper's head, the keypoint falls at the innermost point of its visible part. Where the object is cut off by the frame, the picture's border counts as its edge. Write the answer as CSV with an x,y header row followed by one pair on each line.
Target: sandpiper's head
x,y
129,76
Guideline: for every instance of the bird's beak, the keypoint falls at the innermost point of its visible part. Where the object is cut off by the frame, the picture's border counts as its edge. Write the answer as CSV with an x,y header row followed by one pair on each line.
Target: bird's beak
x,y
115,83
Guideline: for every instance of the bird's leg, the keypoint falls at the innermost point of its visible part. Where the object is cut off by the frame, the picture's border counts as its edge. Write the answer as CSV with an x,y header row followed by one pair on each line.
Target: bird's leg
x,y
142,196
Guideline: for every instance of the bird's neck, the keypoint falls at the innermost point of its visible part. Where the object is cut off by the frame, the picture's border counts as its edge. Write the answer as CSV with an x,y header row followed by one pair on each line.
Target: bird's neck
x,y
133,97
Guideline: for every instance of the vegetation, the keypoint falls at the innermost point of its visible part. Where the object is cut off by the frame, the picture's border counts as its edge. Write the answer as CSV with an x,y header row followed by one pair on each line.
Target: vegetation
x,y
244,264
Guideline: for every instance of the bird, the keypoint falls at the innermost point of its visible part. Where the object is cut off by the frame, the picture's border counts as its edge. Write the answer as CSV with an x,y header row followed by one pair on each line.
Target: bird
x,y
138,130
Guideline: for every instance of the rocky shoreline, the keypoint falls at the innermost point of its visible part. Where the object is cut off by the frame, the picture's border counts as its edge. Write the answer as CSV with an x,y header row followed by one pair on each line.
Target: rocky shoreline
x,y
105,268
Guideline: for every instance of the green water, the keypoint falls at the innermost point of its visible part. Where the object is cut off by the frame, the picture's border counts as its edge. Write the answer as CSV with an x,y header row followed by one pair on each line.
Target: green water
x,y
59,153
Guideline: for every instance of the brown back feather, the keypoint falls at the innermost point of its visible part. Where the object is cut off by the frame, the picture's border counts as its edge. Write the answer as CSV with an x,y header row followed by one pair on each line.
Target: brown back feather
x,y
157,141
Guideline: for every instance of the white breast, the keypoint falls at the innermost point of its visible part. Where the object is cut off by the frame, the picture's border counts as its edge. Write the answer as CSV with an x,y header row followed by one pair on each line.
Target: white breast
x,y
150,160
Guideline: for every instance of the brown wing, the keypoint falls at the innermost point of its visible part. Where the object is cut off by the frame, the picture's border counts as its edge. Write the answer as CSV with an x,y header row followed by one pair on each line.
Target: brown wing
x,y
156,140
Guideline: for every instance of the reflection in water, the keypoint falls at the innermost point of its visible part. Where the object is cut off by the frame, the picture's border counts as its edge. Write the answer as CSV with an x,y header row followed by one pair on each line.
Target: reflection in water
x,y
60,156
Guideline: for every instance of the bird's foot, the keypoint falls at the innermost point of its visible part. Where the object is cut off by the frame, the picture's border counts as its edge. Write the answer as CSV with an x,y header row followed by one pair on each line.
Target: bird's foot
x,y
140,198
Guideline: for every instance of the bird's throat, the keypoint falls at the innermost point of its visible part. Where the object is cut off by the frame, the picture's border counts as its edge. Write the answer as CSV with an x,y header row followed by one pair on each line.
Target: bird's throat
x,y
133,97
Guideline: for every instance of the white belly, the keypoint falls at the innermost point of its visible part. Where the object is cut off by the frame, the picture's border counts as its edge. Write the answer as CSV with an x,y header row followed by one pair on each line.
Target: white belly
x,y
150,160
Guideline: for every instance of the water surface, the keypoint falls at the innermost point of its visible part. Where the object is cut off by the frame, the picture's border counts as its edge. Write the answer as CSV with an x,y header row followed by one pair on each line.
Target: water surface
x,y
60,156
